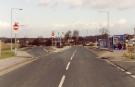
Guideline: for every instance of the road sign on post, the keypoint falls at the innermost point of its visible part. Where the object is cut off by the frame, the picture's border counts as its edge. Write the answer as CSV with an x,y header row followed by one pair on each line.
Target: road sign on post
x,y
53,36
16,26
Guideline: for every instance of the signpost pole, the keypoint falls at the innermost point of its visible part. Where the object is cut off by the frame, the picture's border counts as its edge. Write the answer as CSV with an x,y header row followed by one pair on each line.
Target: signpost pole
x,y
53,39
0,48
16,27
15,44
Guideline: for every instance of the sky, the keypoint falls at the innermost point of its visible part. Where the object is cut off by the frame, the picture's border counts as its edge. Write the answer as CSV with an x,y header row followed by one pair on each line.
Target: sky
x,y
41,17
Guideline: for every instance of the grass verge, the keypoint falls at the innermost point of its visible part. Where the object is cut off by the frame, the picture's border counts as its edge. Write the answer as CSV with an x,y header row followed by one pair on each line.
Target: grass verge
x,y
6,54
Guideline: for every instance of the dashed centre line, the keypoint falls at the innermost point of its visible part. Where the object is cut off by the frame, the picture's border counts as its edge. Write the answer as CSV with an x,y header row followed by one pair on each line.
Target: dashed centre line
x,y
68,65
73,55
71,58
133,76
129,73
62,81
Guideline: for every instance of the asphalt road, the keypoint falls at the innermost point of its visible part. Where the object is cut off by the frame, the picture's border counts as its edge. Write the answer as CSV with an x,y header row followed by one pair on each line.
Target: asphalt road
x,y
75,67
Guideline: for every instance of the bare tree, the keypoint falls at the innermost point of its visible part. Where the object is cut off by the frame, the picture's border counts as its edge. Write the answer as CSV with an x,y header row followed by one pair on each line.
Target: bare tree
x,y
104,33
68,35
76,36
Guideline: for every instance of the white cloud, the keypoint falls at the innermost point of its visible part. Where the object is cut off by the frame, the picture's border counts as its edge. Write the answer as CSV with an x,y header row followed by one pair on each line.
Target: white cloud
x,y
120,25
122,21
4,25
96,4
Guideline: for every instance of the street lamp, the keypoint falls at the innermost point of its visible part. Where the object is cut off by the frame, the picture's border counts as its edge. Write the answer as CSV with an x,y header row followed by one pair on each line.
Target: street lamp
x,y
12,9
108,23
108,18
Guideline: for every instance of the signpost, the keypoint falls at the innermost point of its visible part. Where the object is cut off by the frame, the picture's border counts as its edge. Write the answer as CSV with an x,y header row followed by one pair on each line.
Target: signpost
x,y
0,48
53,35
16,28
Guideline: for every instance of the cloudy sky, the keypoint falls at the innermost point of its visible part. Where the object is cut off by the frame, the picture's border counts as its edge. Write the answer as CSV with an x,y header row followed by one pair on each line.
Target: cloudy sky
x,y
41,17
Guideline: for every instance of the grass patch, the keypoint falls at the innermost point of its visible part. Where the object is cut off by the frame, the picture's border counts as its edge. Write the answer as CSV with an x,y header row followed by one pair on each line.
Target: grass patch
x,y
6,54
6,50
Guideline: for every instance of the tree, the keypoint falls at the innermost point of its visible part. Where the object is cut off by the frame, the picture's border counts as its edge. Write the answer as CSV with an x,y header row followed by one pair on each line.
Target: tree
x,y
104,33
67,36
48,42
76,36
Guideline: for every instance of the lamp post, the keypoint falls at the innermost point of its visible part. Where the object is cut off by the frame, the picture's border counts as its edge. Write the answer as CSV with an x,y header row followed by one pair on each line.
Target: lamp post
x,y
12,9
108,24
108,18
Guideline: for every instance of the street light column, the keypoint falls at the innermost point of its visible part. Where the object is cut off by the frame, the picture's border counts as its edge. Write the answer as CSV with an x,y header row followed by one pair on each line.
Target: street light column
x,y
108,26
12,26
11,29
108,20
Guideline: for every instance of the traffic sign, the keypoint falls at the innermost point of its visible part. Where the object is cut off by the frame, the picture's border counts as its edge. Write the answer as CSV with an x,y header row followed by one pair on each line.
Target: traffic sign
x,y
16,26
53,34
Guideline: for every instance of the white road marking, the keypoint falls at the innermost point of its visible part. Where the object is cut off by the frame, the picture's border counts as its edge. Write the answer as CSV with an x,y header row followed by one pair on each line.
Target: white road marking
x,y
121,69
115,66
73,55
71,58
62,81
68,65
129,73
133,76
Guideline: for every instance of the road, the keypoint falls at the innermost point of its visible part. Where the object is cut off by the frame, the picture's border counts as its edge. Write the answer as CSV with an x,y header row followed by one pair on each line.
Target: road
x,y
75,67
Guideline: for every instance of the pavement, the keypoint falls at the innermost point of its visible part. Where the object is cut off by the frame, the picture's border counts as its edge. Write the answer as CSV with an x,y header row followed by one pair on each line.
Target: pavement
x,y
9,64
116,58
74,67
24,56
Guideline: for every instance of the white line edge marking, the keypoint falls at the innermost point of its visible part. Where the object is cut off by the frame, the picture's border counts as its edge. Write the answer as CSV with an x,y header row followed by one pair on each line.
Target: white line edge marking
x,y
121,69
68,65
129,73
115,66
133,76
62,81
